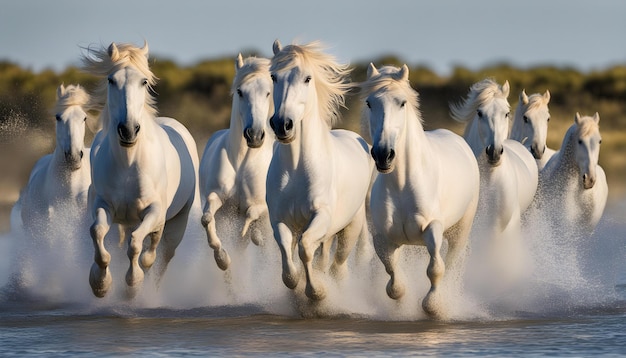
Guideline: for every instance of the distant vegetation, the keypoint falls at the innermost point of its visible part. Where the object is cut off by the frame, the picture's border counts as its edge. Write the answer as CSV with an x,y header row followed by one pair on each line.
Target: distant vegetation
x,y
199,96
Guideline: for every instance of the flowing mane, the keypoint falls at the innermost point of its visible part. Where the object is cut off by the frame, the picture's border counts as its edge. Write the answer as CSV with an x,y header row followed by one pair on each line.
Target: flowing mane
x,y
390,78
102,62
480,93
252,66
535,101
72,95
331,78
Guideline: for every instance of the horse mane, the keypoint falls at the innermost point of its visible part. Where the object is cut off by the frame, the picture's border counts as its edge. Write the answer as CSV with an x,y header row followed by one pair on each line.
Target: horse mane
x,y
102,62
331,78
535,101
252,66
72,95
479,94
390,77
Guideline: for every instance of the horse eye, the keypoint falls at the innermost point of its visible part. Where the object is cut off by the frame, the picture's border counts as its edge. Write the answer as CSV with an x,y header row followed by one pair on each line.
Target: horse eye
x,y
307,79
273,78
580,141
267,94
600,141
58,117
368,104
480,113
402,104
111,81
144,82
239,93
548,119
85,119
525,119
507,115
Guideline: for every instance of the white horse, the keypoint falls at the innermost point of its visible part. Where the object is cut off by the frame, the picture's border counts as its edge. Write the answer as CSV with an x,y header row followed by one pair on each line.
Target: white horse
x,y
530,125
59,182
235,161
144,169
428,189
572,185
318,178
508,171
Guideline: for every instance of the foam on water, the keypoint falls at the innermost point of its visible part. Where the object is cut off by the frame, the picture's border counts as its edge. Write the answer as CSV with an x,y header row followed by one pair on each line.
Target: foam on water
x,y
544,273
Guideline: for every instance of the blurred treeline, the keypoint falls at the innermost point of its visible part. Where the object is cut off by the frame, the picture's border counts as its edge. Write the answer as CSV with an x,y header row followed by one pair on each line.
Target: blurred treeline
x,y
199,96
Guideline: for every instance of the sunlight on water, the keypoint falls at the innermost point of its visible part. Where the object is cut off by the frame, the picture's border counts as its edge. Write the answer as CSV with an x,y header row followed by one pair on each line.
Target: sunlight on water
x,y
543,274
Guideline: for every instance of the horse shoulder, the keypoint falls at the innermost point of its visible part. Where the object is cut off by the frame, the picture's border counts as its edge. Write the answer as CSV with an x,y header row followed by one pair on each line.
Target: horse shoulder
x,y
216,172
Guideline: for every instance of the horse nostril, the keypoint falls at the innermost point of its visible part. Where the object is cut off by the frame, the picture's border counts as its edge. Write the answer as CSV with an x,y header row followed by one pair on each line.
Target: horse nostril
x,y
137,127
391,155
501,150
247,133
262,135
372,153
272,123
288,125
489,150
81,154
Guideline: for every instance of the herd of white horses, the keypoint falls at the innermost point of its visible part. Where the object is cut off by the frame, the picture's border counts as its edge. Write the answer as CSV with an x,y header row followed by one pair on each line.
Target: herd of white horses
x,y
286,172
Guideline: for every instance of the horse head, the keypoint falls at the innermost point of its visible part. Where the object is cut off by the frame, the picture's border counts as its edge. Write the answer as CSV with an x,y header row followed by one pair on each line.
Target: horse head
x,y
70,123
587,147
388,96
252,87
532,118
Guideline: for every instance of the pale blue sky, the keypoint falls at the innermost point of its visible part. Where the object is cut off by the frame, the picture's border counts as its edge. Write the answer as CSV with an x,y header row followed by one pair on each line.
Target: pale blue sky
x,y
439,34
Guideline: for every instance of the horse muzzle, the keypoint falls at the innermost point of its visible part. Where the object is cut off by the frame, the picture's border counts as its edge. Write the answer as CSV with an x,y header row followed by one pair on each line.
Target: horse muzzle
x,y
494,154
384,159
74,159
254,139
283,128
127,135
588,181
536,151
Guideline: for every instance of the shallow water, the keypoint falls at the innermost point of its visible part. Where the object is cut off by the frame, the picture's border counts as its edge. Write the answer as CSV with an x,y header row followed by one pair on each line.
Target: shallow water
x,y
560,306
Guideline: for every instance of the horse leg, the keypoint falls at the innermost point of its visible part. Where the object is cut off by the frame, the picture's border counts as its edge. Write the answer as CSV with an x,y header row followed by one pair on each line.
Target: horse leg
x,y
346,243
286,243
433,237
322,262
99,275
254,213
173,233
213,203
311,239
457,243
387,252
151,220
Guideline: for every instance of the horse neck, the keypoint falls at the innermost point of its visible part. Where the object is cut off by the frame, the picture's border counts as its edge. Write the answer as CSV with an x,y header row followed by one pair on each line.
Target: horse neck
x,y
472,138
237,146
566,160
412,150
517,129
312,139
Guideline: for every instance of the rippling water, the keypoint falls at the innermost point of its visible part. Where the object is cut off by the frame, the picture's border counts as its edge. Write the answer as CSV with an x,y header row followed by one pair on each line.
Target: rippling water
x,y
561,306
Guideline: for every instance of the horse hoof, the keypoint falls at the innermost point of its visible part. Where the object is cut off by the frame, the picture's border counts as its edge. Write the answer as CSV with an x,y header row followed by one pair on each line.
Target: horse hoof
x,y
291,281
147,259
134,277
432,306
395,290
315,294
222,259
206,219
99,280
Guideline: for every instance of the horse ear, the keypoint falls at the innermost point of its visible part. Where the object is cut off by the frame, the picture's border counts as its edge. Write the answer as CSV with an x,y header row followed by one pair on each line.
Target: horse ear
x,y
546,96
145,49
60,91
596,117
239,62
577,118
506,88
523,97
372,71
404,72
113,52
276,47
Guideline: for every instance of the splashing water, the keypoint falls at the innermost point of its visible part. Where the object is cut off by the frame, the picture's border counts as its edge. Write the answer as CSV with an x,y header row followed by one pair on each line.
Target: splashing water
x,y
553,275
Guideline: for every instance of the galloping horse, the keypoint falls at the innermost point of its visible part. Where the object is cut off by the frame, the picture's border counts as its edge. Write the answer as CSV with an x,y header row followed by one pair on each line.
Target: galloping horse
x,y
318,178
144,168
572,185
530,125
508,171
428,187
59,182
235,161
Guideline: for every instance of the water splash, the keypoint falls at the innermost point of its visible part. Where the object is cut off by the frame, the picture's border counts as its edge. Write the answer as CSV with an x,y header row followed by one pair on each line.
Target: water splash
x,y
552,277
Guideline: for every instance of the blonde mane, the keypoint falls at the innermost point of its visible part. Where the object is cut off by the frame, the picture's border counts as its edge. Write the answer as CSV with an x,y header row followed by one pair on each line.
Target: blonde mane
x,y
252,67
536,101
480,93
390,79
331,78
72,95
586,127
103,62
